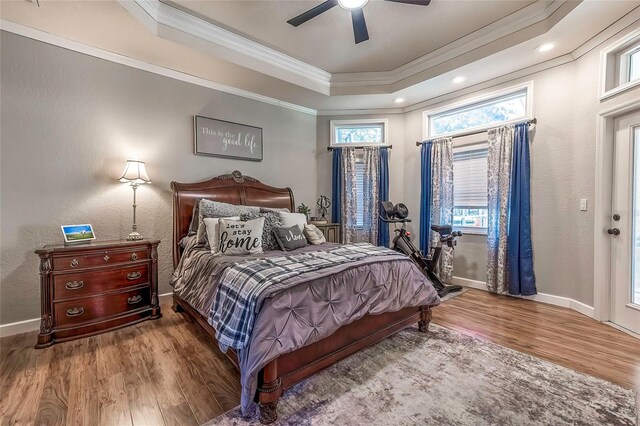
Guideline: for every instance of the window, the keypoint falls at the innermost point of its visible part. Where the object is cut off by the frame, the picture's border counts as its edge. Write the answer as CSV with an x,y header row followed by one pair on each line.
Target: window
x,y
359,132
470,188
630,65
479,115
620,65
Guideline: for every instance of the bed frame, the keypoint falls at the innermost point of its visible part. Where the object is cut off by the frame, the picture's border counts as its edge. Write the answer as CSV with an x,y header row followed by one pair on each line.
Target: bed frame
x,y
291,368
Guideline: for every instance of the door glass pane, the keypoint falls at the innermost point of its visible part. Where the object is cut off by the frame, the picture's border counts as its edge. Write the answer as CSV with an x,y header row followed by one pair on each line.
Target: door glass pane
x,y
635,279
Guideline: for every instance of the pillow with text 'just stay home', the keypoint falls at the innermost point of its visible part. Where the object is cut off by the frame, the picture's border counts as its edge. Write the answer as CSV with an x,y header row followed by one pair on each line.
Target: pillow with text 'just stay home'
x,y
241,238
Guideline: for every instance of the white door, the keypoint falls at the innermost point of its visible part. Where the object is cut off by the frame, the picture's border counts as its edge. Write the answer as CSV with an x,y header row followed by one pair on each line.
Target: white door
x,y
625,224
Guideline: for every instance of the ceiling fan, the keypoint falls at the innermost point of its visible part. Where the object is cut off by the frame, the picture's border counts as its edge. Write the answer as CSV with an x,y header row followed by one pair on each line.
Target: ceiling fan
x,y
360,32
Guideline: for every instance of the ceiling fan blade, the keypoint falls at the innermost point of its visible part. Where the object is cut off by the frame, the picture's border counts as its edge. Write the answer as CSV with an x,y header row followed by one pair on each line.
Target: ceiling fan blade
x,y
360,32
312,13
415,2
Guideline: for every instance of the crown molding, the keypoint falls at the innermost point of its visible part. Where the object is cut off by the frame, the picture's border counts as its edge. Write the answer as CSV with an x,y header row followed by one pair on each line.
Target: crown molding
x,y
96,52
331,112
158,17
524,18
229,45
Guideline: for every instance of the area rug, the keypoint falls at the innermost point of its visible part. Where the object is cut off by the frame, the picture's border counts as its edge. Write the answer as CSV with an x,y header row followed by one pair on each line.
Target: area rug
x,y
446,378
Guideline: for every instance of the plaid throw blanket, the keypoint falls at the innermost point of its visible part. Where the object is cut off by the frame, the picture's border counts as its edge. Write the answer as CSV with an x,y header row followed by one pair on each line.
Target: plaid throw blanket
x,y
245,285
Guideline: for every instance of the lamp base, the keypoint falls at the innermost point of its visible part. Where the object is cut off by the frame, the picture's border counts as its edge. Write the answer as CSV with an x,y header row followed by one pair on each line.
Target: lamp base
x,y
134,236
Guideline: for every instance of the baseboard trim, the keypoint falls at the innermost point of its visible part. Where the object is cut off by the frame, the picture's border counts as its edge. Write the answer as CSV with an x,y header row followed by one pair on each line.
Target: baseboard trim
x,y
549,299
26,326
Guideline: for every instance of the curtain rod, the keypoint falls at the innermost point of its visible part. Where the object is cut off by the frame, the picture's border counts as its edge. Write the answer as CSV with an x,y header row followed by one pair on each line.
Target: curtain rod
x,y
477,132
331,148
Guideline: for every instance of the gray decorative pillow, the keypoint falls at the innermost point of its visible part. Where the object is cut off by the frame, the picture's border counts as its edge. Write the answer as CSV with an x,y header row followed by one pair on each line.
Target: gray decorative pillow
x,y
238,237
210,208
290,238
271,221
314,235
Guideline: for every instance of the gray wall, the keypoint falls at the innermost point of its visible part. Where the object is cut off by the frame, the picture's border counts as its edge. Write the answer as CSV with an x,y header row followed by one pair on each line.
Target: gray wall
x,y
70,121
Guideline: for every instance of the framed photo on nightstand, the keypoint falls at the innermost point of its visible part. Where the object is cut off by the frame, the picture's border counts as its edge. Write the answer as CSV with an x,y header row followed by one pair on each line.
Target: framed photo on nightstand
x,y
77,233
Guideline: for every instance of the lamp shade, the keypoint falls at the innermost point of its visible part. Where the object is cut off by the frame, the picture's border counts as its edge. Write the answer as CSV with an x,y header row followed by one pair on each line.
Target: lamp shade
x,y
135,172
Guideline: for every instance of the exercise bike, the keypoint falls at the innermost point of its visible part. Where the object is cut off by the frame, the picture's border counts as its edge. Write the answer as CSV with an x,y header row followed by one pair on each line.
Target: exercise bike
x,y
401,243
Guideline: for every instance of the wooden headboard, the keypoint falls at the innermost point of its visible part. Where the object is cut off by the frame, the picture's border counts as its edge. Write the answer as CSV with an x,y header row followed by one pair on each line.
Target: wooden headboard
x,y
232,188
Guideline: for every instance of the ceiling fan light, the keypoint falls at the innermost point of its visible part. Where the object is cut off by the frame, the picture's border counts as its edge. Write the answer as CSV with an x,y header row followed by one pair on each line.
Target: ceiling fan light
x,y
352,4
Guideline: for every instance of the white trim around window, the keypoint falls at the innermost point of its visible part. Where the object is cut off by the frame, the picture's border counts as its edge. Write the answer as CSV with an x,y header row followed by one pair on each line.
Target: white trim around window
x,y
364,122
614,65
528,87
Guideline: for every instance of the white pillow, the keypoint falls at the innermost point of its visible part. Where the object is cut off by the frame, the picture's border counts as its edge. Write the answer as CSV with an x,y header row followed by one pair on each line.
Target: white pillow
x,y
290,219
314,235
238,237
213,231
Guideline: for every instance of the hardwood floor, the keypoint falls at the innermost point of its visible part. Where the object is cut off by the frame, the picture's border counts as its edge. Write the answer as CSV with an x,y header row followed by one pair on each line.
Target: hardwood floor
x,y
168,372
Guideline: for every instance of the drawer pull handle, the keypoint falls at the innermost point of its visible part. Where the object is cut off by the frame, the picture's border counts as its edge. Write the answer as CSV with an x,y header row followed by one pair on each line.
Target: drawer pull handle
x,y
134,256
106,258
74,263
134,299
74,285
74,312
133,276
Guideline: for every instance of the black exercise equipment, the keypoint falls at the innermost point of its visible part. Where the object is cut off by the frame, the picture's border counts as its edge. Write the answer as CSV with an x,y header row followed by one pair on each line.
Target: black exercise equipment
x,y
401,243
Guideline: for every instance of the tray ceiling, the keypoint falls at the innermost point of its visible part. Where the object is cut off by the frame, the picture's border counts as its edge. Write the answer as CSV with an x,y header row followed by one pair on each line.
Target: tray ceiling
x,y
399,33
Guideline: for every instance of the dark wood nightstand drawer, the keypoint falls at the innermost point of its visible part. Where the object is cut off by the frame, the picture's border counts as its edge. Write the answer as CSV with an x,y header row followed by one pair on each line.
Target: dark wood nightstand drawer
x,y
86,289
99,258
68,286
97,307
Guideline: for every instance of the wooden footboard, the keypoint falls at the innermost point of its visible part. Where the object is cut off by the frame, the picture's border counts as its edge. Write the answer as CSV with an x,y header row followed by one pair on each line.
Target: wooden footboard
x,y
291,368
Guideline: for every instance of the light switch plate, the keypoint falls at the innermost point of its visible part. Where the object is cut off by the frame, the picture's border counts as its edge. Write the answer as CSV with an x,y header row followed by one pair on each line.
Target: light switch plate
x,y
583,204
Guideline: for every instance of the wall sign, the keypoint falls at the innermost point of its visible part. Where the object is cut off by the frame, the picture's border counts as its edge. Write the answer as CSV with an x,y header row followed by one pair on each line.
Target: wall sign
x,y
226,139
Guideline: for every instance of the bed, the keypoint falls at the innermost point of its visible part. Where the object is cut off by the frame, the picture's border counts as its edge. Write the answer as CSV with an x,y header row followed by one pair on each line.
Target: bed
x,y
277,371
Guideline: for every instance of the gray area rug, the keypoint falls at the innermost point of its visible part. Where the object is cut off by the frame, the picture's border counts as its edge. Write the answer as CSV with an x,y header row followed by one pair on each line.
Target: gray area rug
x,y
446,378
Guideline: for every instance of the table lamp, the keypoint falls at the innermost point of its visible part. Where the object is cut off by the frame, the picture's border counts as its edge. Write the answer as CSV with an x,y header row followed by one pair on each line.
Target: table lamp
x,y
134,174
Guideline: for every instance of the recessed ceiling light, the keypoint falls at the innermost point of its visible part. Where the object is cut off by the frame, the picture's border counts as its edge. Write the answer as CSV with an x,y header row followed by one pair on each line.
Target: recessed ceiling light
x,y
545,47
352,4
459,79
398,100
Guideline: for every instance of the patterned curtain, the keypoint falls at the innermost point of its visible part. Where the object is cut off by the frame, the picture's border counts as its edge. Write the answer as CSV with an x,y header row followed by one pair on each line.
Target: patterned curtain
x,y
349,196
442,199
499,181
371,198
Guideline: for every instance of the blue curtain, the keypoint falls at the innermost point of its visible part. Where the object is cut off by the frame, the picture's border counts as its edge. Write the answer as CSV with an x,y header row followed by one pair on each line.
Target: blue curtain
x,y
519,247
336,187
425,196
383,192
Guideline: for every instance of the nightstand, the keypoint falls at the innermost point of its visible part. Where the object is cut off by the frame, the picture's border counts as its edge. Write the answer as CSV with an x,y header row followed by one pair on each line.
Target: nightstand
x,y
331,231
91,288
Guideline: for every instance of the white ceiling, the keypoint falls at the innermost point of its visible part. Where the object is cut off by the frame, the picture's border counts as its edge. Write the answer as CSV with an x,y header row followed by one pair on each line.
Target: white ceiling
x,y
399,33
221,54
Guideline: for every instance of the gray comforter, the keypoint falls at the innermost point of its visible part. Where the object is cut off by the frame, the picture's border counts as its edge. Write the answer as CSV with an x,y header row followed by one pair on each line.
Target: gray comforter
x,y
315,305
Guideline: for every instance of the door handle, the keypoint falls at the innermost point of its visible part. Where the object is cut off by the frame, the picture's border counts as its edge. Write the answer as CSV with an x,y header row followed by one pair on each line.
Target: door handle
x,y
613,231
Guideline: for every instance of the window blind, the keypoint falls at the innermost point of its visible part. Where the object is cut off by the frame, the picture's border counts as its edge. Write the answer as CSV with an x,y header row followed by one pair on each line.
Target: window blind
x,y
360,194
470,176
